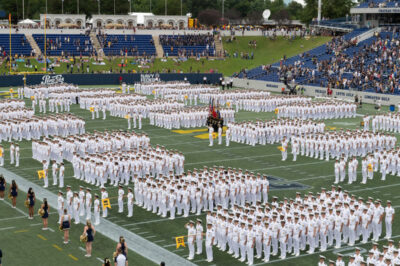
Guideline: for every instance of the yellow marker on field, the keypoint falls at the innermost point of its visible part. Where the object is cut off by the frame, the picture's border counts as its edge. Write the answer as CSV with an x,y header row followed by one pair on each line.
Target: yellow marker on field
x,y
106,203
180,241
41,237
91,109
41,174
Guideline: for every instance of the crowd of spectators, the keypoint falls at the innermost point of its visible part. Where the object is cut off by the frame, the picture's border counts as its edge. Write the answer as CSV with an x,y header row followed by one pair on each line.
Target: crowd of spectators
x,y
345,64
188,45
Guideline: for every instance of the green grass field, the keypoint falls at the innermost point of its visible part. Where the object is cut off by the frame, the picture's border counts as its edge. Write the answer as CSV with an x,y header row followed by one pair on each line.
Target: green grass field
x,y
286,178
267,52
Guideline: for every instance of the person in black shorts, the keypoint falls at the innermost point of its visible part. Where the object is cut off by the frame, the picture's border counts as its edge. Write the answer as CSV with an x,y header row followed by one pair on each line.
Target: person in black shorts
x,y
3,185
90,232
45,216
30,197
14,193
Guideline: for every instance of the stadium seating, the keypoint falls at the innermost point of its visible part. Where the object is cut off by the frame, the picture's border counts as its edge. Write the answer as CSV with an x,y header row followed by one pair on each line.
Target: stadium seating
x,y
19,44
67,44
379,4
130,45
188,45
315,66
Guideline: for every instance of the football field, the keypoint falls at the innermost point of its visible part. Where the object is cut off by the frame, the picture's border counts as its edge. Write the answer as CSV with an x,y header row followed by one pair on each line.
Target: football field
x,y
23,242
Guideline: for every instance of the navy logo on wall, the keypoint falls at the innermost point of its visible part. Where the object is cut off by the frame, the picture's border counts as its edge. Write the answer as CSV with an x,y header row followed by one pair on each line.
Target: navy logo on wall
x,y
47,79
277,183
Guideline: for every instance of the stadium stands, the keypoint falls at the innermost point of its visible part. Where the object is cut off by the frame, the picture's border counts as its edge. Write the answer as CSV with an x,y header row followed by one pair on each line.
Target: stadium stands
x,y
65,44
370,65
19,45
129,45
379,4
188,45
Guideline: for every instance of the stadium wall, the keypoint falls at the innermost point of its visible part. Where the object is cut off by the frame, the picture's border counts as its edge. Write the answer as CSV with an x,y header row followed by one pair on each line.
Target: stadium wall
x,y
367,97
105,79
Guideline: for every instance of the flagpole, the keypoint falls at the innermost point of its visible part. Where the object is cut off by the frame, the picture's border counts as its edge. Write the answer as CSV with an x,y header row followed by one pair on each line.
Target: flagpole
x,y
130,6
62,6
98,6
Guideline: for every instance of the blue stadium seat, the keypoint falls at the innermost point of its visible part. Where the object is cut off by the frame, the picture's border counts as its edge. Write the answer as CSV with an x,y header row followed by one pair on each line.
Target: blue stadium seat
x,y
19,44
69,44
130,45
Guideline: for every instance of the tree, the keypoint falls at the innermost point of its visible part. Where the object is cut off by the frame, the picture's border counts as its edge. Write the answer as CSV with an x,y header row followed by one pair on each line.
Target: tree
x,y
281,17
209,17
295,10
232,15
255,17
330,9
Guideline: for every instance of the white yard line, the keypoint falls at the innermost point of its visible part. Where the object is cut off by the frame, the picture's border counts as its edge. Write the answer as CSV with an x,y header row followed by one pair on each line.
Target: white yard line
x,y
287,166
7,228
375,188
233,159
159,220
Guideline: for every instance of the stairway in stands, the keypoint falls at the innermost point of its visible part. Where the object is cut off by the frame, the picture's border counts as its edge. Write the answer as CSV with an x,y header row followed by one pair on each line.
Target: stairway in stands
x,y
219,48
159,49
96,44
33,44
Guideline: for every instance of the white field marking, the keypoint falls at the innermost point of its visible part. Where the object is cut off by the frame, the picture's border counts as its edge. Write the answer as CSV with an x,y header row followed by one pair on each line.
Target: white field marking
x,y
6,228
112,217
12,218
35,224
315,177
286,166
233,159
142,233
225,149
158,241
81,248
396,197
99,259
17,209
315,253
51,230
159,220
178,250
199,260
375,188
150,236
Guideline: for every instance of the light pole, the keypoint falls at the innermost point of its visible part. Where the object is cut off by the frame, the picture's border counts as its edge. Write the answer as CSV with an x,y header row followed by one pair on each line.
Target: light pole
x,y
98,6
130,6
166,7
62,6
181,7
46,6
23,10
150,5
319,11
77,6
114,7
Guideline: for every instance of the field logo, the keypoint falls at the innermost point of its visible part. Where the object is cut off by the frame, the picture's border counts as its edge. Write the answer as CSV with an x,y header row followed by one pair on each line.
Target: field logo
x,y
48,80
146,78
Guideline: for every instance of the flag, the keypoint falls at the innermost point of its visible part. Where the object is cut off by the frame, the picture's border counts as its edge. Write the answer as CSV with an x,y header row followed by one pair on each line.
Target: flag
x,y
41,174
9,17
180,241
106,203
